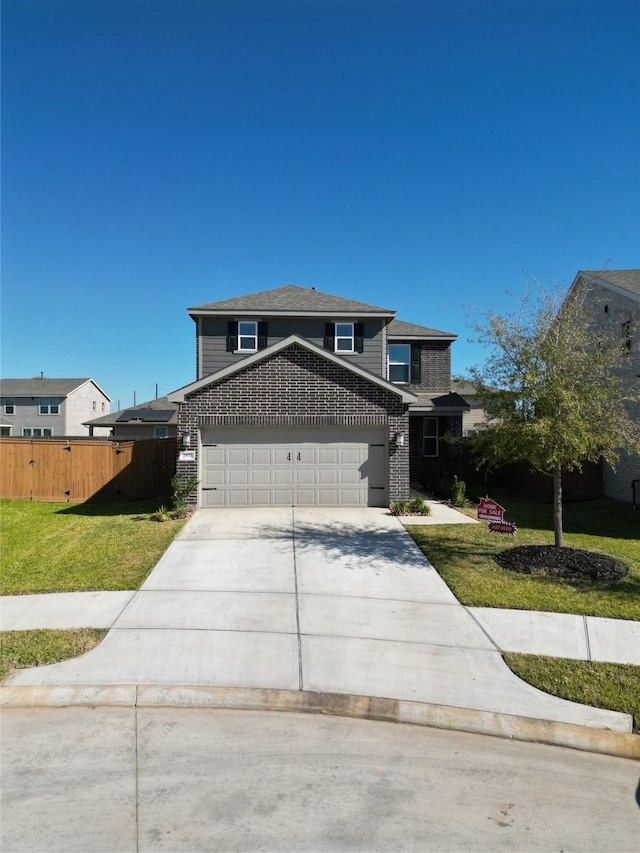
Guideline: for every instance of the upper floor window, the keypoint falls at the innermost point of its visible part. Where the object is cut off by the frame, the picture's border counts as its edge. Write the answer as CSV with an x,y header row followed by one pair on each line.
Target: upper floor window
x,y
626,335
160,432
344,337
9,406
399,356
36,432
49,405
246,335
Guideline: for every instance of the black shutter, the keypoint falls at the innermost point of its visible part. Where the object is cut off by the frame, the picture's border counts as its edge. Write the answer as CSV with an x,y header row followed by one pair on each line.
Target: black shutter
x,y
330,336
262,335
358,334
232,335
416,351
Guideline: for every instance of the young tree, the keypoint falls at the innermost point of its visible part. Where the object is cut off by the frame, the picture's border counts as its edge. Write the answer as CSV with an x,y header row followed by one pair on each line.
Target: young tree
x,y
554,390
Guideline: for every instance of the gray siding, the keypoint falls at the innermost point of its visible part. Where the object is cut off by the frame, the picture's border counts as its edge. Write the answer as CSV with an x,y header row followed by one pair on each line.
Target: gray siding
x,y
212,342
27,415
619,309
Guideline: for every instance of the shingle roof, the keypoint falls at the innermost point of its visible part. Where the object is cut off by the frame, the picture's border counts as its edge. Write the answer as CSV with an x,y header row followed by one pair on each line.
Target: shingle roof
x,y
37,387
159,411
439,401
291,299
402,329
625,279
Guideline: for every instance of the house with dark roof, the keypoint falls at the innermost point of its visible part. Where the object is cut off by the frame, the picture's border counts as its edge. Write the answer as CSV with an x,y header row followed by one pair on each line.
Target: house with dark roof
x,y
612,299
154,419
303,398
48,408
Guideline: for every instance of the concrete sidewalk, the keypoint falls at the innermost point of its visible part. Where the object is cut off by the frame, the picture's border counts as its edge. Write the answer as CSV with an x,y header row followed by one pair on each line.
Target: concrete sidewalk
x,y
302,604
560,635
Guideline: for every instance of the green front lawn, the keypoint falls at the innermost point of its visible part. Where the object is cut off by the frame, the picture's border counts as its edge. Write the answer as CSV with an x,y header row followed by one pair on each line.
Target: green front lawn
x,y
54,547
463,556
20,649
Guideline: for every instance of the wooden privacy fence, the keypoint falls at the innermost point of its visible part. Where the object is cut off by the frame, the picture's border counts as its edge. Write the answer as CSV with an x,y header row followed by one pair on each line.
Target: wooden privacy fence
x,y
78,470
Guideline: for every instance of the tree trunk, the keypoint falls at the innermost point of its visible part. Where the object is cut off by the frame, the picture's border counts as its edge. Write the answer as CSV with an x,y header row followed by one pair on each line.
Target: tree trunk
x,y
557,505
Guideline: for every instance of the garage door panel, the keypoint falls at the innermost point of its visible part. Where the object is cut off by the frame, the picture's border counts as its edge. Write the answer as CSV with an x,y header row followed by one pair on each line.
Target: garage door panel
x,y
260,476
305,466
261,456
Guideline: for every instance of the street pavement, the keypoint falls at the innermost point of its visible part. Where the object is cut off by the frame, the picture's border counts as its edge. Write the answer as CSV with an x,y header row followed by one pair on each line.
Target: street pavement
x,y
99,779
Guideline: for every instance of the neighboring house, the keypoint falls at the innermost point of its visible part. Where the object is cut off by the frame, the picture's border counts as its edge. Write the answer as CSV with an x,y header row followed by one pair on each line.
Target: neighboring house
x,y
304,398
613,300
475,417
155,419
42,408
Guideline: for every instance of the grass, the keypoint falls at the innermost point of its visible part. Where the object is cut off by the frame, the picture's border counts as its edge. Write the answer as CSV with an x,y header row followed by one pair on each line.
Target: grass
x,y
605,685
463,556
53,547
20,649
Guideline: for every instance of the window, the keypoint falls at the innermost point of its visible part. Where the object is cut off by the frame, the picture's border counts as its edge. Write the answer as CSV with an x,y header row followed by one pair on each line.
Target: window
x,y
247,336
399,355
49,405
103,407
626,335
344,337
160,432
9,406
36,432
94,405
430,436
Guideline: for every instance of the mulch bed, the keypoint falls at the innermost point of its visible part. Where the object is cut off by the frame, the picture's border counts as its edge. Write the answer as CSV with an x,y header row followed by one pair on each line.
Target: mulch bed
x,y
561,563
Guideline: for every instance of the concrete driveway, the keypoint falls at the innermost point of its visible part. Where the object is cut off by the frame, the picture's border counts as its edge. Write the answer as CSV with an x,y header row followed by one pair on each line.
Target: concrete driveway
x,y
324,601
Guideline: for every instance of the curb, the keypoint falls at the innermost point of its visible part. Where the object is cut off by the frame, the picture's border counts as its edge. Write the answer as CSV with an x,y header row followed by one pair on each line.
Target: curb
x,y
605,741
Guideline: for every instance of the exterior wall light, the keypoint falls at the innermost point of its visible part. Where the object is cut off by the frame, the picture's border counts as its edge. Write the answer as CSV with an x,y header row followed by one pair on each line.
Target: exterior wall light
x,y
186,439
400,438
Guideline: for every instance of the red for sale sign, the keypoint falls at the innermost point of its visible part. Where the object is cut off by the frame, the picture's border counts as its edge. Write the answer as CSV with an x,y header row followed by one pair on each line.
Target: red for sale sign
x,y
490,510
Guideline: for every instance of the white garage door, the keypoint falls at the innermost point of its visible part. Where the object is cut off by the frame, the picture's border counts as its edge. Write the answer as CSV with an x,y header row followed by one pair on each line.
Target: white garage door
x,y
302,466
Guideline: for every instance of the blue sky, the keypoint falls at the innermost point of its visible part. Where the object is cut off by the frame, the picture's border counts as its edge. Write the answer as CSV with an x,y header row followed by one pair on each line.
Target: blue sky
x,y
429,157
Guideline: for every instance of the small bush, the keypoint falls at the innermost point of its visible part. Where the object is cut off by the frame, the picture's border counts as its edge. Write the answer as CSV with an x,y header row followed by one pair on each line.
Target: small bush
x,y
400,508
418,506
458,492
415,506
181,492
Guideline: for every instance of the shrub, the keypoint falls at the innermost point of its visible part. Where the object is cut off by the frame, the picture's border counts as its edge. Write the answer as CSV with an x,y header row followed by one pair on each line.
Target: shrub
x,y
418,506
415,506
400,508
458,491
180,493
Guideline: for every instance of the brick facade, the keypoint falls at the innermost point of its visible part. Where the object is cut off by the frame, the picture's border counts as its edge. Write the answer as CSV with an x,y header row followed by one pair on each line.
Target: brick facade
x,y
297,387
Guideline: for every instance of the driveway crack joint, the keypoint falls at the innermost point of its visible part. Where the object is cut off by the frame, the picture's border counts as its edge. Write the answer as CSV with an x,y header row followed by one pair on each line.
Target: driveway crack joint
x,y
295,581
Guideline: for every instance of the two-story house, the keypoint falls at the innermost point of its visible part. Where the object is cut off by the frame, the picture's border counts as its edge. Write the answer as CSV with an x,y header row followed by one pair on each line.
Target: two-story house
x,y
43,407
612,299
304,398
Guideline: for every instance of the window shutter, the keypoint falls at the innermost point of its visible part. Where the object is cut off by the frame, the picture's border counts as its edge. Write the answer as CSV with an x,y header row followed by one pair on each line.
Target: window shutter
x,y
358,334
416,351
232,335
329,336
263,335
